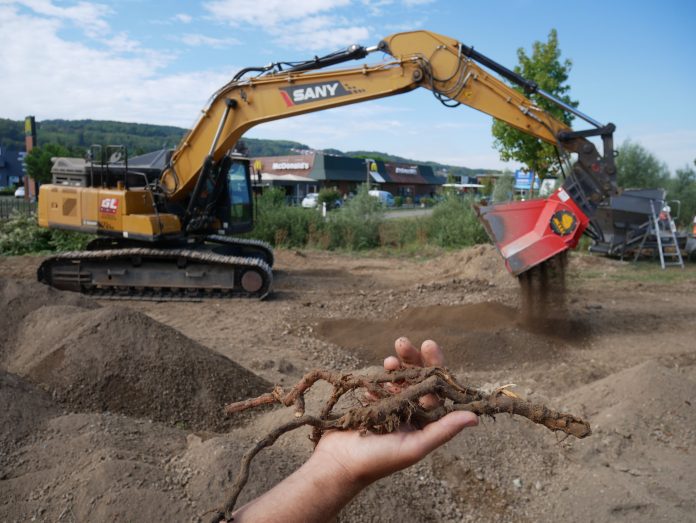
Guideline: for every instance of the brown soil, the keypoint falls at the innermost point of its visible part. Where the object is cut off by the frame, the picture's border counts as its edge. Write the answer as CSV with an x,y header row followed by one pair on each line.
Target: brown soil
x,y
476,336
620,353
118,360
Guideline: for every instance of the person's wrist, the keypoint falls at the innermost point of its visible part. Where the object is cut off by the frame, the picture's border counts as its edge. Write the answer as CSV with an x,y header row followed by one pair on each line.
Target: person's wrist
x,y
334,472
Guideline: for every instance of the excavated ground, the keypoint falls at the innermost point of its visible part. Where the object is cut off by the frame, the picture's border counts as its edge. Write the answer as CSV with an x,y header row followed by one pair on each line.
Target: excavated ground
x,y
111,412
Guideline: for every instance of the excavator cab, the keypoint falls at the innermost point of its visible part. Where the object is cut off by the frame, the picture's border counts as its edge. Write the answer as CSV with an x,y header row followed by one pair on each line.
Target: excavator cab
x,y
236,214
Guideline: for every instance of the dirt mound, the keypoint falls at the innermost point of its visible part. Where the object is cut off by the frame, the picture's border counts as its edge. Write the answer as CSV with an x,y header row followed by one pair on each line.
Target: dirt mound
x,y
19,298
123,361
475,336
644,402
23,407
95,467
594,262
481,262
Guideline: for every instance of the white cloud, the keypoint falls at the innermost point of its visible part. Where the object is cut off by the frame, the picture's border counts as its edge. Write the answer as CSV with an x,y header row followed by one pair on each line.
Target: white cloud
x,y
183,18
273,13
64,79
376,6
310,24
196,40
321,32
87,15
122,43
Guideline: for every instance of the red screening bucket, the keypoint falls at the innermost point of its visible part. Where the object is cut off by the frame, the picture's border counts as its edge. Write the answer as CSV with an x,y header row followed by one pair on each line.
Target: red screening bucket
x,y
529,233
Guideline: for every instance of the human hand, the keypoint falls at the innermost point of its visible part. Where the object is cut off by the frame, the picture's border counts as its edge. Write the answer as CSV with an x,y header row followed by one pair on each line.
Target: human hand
x,y
361,459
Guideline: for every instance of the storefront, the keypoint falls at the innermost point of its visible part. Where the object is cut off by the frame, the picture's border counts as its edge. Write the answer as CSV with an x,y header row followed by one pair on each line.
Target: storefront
x,y
301,174
291,173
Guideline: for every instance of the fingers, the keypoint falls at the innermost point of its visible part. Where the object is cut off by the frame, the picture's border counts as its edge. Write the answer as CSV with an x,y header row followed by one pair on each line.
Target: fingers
x,y
392,363
410,356
424,441
432,354
429,355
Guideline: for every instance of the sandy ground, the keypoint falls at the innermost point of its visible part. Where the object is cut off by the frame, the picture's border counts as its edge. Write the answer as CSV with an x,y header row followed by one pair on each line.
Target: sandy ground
x,y
107,410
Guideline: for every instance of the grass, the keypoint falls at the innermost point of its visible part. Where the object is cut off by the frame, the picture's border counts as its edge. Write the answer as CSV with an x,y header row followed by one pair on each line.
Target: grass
x,y
644,271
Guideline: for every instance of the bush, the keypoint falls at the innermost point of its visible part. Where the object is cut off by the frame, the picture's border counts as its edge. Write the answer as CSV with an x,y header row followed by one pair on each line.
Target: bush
x,y
21,234
360,224
504,189
281,225
455,224
398,201
403,232
330,197
273,197
356,226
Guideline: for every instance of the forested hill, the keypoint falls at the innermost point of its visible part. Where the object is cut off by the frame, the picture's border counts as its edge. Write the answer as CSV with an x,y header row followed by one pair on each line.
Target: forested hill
x,y
77,135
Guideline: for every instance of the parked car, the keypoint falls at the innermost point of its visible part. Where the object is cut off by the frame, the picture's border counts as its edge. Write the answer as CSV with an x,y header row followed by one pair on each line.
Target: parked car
x,y
385,197
19,193
311,200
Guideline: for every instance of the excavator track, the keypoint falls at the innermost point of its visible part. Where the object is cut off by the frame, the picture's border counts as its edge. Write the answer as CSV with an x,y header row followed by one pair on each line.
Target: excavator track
x,y
157,274
247,247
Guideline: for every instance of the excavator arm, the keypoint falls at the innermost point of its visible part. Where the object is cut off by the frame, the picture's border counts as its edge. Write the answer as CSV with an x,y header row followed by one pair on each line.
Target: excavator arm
x,y
526,233
165,232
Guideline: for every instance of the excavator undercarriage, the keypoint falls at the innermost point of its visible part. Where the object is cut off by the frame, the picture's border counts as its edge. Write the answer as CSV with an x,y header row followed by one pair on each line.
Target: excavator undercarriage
x,y
205,270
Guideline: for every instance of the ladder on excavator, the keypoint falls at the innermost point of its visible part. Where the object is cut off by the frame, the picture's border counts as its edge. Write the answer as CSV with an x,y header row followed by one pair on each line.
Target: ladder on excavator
x,y
661,227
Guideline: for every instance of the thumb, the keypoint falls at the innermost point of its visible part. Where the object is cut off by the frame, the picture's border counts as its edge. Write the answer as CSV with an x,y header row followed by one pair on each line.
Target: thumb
x,y
441,431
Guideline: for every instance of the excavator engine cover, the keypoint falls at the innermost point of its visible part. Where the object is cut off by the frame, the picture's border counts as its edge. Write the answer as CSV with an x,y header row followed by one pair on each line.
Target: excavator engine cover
x,y
530,232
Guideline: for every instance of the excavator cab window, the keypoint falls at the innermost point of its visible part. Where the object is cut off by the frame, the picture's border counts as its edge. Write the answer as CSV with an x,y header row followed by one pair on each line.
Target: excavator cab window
x,y
239,187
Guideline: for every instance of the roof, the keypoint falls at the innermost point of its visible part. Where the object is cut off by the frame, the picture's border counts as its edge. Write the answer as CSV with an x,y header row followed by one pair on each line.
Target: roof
x,y
339,168
409,174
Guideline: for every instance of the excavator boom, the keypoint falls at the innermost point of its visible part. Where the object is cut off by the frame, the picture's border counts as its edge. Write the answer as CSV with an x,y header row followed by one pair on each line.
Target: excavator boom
x,y
202,194
525,234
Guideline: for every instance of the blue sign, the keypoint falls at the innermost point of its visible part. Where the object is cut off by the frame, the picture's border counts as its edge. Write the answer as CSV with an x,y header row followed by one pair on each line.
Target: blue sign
x,y
523,180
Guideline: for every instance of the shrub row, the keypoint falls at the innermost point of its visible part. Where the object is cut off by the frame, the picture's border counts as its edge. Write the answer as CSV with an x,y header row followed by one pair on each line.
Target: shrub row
x,y
360,224
20,234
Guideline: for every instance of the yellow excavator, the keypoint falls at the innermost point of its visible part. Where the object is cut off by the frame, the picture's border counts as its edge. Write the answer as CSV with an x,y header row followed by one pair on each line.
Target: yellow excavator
x,y
165,221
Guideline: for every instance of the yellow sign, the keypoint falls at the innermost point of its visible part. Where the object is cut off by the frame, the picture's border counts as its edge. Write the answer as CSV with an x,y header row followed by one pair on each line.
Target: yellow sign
x,y
563,223
29,126
258,165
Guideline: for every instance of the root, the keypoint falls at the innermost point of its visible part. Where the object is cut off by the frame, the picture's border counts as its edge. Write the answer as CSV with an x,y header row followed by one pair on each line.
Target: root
x,y
390,410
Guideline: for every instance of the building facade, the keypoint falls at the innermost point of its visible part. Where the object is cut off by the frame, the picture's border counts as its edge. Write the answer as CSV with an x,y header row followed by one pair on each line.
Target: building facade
x,y
305,173
11,167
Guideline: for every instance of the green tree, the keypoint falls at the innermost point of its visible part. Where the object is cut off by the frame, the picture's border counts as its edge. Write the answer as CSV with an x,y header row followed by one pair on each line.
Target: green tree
x,y
638,168
39,161
551,74
330,196
683,188
504,188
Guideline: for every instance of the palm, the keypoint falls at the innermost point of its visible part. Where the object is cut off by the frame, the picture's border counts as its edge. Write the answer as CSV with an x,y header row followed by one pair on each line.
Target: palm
x,y
367,457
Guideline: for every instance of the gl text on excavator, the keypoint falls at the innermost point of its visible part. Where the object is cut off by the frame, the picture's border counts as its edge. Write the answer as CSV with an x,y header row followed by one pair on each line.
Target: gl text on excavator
x,y
166,220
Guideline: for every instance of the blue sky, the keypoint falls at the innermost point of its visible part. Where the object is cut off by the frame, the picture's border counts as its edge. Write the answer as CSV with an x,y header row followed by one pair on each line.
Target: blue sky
x,y
158,62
